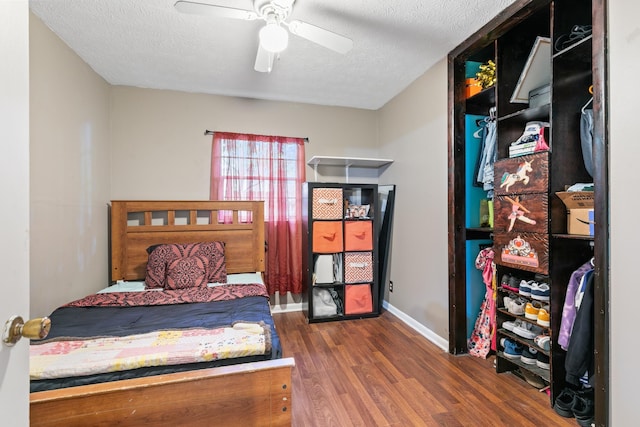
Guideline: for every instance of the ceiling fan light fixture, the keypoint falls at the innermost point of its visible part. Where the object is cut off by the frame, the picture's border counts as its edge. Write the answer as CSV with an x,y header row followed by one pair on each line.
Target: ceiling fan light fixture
x,y
273,37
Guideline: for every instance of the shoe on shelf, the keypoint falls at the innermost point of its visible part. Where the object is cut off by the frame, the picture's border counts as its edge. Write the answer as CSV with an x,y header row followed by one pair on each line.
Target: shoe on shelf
x,y
531,310
512,349
533,379
510,325
542,361
564,403
540,291
513,284
516,306
525,288
543,341
527,330
544,318
533,131
505,280
529,355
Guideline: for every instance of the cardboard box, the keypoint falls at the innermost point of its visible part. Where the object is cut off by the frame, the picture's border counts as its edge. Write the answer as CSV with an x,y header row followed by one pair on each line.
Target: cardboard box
x,y
579,204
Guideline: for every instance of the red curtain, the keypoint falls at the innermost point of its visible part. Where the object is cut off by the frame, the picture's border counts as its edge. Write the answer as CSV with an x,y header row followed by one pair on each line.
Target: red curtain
x,y
272,169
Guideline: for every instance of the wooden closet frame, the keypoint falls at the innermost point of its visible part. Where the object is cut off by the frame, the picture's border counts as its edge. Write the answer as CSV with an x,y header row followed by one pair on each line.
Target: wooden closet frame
x,y
503,22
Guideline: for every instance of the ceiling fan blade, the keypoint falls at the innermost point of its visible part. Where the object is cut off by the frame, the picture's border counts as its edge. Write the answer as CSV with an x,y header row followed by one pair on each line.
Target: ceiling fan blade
x,y
214,10
264,60
326,38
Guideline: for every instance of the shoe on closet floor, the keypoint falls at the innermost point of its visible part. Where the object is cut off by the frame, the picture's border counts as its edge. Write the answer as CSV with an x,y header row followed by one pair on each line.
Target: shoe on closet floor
x,y
583,407
512,349
564,403
529,355
527,330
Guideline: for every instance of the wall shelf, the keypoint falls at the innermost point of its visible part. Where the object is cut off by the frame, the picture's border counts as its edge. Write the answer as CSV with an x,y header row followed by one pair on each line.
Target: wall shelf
x,y
346,162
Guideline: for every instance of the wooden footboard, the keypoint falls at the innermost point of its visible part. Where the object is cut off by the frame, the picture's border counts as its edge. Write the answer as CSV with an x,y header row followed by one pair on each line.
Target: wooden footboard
x,y
249,394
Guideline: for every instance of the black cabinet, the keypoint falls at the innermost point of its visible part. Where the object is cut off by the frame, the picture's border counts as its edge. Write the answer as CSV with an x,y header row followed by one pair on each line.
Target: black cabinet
x,y
340,259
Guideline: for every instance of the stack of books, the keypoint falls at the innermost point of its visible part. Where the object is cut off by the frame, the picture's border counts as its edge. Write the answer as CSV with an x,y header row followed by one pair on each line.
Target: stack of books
x,y
522,149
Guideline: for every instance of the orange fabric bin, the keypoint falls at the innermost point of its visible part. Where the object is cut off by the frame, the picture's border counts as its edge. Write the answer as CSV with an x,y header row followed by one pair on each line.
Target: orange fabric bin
x,y
327,237
358,299
358,236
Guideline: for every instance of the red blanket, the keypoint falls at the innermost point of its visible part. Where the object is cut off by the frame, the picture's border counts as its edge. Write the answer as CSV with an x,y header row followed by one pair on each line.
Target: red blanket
x,y
165,297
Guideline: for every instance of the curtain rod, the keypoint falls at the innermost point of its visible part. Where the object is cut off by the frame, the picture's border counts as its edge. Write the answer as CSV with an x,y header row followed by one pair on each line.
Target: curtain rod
x,y
210,132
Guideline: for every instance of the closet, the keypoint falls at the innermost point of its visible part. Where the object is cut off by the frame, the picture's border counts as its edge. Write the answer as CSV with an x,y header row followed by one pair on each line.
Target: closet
x,y
550,66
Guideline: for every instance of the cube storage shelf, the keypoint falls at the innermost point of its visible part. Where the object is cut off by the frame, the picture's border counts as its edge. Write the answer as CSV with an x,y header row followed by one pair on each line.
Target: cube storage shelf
x,y
340,251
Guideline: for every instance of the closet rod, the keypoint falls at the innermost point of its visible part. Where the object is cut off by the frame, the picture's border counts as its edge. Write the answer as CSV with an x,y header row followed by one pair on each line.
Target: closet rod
x,y
210,132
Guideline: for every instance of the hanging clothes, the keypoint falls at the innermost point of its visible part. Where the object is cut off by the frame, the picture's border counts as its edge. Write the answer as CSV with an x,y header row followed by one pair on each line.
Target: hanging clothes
x,y
569,309
586,139
488,157
579,359
482,338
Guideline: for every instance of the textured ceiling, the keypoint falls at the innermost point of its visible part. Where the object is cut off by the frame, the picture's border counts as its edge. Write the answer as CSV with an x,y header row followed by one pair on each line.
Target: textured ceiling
x,y
148,43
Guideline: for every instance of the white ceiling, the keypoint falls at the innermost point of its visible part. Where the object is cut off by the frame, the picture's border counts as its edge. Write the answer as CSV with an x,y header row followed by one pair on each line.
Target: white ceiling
x,y
148,43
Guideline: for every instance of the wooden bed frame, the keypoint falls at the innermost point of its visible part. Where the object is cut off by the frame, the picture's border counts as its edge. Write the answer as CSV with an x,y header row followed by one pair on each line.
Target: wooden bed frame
x,y
249,394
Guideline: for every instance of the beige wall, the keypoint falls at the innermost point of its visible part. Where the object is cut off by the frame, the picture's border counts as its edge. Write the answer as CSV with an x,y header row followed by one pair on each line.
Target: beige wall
x,y
624,43
69,169
159,150
413,131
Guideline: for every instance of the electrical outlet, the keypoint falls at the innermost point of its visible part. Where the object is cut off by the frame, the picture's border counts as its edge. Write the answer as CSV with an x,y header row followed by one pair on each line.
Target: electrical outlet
x,y
390,286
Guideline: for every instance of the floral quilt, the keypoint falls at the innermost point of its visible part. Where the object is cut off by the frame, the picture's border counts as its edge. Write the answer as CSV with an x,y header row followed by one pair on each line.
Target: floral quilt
x,y
61,358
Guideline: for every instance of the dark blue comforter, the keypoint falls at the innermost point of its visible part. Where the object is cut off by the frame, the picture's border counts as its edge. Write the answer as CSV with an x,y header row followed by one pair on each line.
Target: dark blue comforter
x,y
121,321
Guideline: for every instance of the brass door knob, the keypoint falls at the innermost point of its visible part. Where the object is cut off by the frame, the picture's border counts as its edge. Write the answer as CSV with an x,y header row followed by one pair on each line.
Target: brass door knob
x,y
16,328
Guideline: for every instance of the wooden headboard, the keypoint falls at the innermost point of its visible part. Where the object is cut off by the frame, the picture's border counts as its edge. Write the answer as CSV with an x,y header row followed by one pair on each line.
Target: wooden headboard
x,y
138,224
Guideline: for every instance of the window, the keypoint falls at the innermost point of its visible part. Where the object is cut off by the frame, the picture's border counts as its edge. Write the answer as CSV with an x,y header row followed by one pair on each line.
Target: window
x,y
272,169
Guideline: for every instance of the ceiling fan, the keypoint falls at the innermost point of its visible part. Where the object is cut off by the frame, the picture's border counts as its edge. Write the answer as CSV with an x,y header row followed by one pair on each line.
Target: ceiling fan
x,y
273,37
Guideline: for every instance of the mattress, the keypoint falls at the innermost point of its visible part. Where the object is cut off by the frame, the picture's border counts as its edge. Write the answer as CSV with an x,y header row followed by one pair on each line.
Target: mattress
x,y
121,321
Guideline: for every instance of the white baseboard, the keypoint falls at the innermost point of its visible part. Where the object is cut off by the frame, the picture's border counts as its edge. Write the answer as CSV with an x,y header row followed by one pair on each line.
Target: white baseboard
x,y
289,306
286,308
418,327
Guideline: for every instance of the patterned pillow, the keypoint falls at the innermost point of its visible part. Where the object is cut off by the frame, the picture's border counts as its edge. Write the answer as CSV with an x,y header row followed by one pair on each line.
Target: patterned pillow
x,y
187,272
163,255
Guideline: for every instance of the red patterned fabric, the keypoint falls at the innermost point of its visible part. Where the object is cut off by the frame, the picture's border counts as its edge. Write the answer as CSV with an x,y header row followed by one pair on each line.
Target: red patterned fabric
x,y
188,272
358,267
170,296
163,255
327,203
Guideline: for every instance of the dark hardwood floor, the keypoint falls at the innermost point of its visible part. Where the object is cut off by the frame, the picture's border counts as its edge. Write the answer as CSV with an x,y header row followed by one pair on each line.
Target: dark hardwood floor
x,y
380,372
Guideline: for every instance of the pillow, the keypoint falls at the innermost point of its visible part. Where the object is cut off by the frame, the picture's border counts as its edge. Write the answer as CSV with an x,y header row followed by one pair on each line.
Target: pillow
x,y
187,272
162,255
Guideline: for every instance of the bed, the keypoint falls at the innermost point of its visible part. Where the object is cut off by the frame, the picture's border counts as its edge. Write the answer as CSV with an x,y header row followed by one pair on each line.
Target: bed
x,y
247,389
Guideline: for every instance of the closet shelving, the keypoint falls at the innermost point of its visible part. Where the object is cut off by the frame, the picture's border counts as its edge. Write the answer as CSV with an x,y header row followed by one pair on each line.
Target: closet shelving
x,y
508,40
